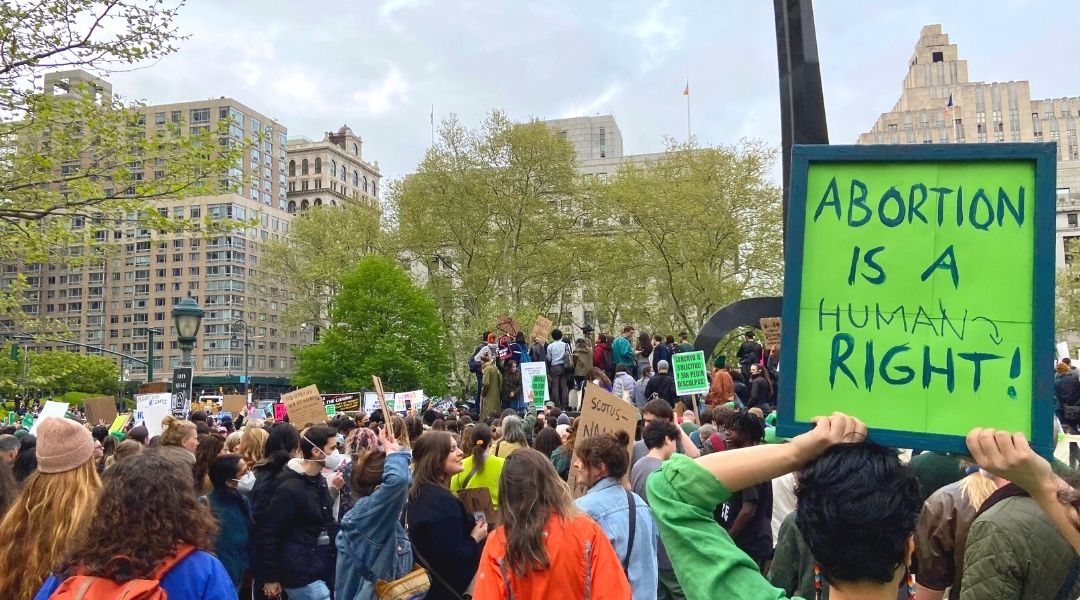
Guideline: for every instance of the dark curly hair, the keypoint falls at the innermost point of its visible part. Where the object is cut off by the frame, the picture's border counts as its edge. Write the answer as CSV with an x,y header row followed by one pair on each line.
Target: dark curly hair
x,y
150,493
857,508
608,449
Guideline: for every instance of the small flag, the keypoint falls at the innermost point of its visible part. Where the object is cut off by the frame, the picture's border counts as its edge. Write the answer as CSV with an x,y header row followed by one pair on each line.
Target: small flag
x,y
948,105
686,90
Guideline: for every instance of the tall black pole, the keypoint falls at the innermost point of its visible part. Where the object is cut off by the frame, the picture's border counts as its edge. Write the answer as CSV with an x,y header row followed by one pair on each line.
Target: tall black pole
x,y
802,104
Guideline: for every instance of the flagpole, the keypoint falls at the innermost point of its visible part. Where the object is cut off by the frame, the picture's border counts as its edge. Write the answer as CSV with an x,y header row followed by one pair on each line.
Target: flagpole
x,y
432,125
688,110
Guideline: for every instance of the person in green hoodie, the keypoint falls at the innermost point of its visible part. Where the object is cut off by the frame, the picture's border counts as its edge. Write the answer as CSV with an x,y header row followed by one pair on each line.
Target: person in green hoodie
x,y
857,508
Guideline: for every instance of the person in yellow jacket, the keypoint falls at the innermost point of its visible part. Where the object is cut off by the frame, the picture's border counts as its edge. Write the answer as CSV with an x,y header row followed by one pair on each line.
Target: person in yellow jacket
x,y
481,468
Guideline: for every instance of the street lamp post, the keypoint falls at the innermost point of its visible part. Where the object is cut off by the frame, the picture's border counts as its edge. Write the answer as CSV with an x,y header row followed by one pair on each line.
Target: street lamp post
x,y
242,323
187,316
150,333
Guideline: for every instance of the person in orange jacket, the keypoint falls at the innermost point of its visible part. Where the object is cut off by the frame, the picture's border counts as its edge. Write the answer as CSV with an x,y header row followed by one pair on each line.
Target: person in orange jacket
x,y
722,389
557,552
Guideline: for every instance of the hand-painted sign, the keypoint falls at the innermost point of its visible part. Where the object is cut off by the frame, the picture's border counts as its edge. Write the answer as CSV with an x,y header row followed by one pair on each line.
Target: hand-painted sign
x,y
919,291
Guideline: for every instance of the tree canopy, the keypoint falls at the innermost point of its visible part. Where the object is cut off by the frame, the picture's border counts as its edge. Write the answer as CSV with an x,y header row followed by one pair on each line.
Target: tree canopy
x,y
382,324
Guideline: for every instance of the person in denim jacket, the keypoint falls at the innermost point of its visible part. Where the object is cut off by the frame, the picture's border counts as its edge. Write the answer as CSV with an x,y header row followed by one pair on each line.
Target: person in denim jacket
x,y
602,461
372,544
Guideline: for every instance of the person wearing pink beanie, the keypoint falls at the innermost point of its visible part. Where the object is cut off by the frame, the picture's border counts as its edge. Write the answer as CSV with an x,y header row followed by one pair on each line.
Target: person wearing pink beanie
x,y
54,504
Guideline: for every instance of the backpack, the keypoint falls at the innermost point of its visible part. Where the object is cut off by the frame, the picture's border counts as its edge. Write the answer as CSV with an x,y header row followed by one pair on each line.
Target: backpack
x,y
474,365
87,587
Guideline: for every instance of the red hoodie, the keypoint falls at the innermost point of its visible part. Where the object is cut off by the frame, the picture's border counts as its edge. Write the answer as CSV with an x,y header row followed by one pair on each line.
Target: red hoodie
x,y
598,355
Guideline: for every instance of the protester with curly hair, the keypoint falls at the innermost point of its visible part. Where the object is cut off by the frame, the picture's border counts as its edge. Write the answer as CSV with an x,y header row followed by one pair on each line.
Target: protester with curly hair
x,y
147,493
178,441
545,547
52,508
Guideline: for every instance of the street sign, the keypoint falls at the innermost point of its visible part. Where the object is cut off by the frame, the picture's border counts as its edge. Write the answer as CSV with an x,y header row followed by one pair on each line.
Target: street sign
x,y
181,394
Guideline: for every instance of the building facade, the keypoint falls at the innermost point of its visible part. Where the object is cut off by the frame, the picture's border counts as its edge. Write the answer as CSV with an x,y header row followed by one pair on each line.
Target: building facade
x,y
113,303
330,172
939,104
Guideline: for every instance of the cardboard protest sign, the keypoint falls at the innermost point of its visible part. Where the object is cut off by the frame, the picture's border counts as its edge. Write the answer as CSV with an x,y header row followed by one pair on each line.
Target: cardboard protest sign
x,y
233,403
690,375
305,406
770,329
918,293
119,422
101,409
280,412
478,499
51,409
377,383
153,387
534,386
541,330
151,409
507,325
603,412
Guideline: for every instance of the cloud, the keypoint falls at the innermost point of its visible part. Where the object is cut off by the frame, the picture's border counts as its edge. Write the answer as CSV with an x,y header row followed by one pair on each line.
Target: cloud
x,y
601,103
658,36
385,95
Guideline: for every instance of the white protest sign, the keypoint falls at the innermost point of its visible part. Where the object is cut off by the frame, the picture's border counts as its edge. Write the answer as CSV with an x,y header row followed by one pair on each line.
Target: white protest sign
x,y
51,409
403,401
530,371
1062,350
151,409
371,402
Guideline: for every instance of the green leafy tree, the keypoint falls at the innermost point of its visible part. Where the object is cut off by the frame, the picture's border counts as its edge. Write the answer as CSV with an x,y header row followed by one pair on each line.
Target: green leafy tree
x,y
77,165
489,217
59,372
695,230
323,246
1067,297
382,325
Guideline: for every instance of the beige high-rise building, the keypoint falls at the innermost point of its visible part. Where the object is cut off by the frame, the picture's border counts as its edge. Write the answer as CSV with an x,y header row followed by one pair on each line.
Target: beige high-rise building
x,y
112,303
983,112
331,171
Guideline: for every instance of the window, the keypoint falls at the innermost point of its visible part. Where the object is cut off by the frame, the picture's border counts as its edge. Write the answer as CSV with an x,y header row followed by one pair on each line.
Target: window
x,y
1072,219
891,126
304,167
355,179
174,116
318,165
159,120
304,204
292,168
200,115
937,57
318,184
333,167
365,184
355,149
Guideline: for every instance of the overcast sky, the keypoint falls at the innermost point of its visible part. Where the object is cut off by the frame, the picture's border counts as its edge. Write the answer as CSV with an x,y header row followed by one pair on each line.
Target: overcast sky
x,y
379,66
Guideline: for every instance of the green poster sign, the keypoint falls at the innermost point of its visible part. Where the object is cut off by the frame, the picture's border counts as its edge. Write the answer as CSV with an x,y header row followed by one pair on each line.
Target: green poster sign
x,y
690,374
539,384
919,291
11,417
28,421
331,409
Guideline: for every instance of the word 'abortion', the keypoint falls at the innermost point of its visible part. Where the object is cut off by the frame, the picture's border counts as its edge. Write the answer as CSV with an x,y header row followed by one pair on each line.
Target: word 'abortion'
x,y
976,208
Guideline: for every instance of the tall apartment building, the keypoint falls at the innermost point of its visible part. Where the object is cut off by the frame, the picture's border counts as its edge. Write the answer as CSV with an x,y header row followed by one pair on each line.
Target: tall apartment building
x,y
330,171
983,113
113,303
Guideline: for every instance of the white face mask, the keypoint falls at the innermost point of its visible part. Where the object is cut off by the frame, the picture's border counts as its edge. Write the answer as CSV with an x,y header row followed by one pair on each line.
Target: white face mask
x,y
245,483
333,460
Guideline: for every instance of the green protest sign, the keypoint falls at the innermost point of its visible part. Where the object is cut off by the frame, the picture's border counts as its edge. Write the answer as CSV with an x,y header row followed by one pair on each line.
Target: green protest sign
x,y
690,375
919,291
331,410
539,384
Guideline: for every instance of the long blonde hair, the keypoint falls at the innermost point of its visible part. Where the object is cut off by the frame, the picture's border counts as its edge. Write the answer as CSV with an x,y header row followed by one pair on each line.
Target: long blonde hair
x,y
50,511
976,488
174,431
253,445
531,492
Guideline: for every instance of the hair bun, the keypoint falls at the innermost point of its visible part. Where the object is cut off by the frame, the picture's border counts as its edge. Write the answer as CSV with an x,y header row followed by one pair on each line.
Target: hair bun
x,y
479,442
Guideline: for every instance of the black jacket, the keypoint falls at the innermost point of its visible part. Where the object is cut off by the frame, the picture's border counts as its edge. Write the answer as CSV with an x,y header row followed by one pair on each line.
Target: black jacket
x,y
440,528
289,547
1067,389
663,385
749,353
760,392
